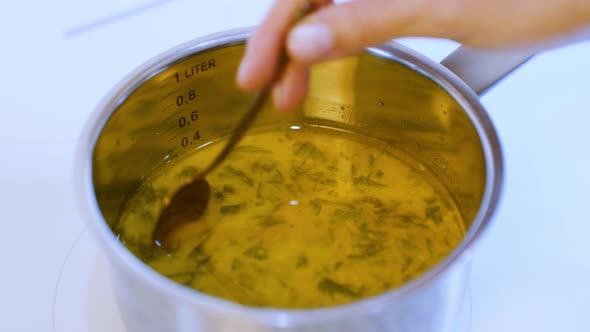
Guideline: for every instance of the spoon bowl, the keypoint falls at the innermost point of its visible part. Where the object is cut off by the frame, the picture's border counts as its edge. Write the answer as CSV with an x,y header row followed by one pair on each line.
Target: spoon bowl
x,y
188,203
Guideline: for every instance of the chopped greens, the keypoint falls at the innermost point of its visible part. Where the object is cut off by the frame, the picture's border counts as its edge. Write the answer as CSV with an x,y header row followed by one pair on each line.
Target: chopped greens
x,y
230,209
236,264
316,206
228,189
184,278
434,213
302,261
300,219
188,172
232,172
332,288
256,252
270,221
309,150
366,181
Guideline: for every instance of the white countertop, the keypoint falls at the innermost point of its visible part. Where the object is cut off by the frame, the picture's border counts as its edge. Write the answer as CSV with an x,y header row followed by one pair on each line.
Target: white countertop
x,y
60,57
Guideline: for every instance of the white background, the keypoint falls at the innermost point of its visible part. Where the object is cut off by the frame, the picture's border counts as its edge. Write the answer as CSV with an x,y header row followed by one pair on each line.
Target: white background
x,y
58,58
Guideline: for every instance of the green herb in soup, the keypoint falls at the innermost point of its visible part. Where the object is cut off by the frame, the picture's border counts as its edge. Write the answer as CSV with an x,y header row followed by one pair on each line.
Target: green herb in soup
x,y
299,219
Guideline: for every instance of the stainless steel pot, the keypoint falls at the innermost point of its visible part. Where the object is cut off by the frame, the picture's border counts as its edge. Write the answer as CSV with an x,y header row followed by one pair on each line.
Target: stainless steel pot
x,y
187,97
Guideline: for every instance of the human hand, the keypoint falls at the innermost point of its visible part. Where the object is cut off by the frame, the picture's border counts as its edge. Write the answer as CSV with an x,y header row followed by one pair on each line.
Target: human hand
x,y
335,30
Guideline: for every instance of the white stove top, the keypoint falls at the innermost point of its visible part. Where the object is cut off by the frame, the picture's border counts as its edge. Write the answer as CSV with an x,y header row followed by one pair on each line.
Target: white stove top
x,y
60,57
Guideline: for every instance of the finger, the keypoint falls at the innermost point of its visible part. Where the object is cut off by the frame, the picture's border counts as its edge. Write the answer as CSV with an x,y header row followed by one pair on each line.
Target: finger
x,y
342,29
264,47
291,89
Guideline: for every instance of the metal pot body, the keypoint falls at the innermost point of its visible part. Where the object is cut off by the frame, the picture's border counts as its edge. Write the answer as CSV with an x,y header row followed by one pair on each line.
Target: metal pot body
x,y
187,97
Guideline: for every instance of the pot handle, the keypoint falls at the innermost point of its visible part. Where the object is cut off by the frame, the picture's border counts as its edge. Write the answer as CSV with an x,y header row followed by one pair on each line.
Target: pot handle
x,y
481,69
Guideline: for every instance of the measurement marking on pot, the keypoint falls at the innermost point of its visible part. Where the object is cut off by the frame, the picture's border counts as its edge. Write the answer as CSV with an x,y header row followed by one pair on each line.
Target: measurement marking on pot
x,y
173,115
101,22
167,108
169,129
185,141
173,92
175,136
184,99
194,70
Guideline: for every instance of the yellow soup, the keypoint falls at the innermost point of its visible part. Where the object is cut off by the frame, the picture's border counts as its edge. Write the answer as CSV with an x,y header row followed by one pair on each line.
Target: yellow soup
x,y
299,219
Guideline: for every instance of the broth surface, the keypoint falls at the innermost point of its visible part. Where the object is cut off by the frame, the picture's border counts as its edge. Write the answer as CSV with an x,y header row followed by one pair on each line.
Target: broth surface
x,y
298,219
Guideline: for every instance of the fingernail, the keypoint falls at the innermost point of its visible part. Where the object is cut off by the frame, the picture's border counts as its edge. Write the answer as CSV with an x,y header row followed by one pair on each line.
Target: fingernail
x,y
310,41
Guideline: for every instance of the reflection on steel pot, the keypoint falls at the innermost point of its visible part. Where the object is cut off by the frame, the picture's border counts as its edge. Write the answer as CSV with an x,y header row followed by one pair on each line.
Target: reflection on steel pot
x,y
187,97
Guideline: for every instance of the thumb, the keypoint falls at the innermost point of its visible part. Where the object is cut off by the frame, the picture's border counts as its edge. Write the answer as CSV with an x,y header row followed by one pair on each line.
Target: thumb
x,y
337,30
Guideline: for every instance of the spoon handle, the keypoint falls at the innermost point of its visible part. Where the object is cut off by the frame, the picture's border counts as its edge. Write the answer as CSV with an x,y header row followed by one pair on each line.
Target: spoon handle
x,y
255,107
240,130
